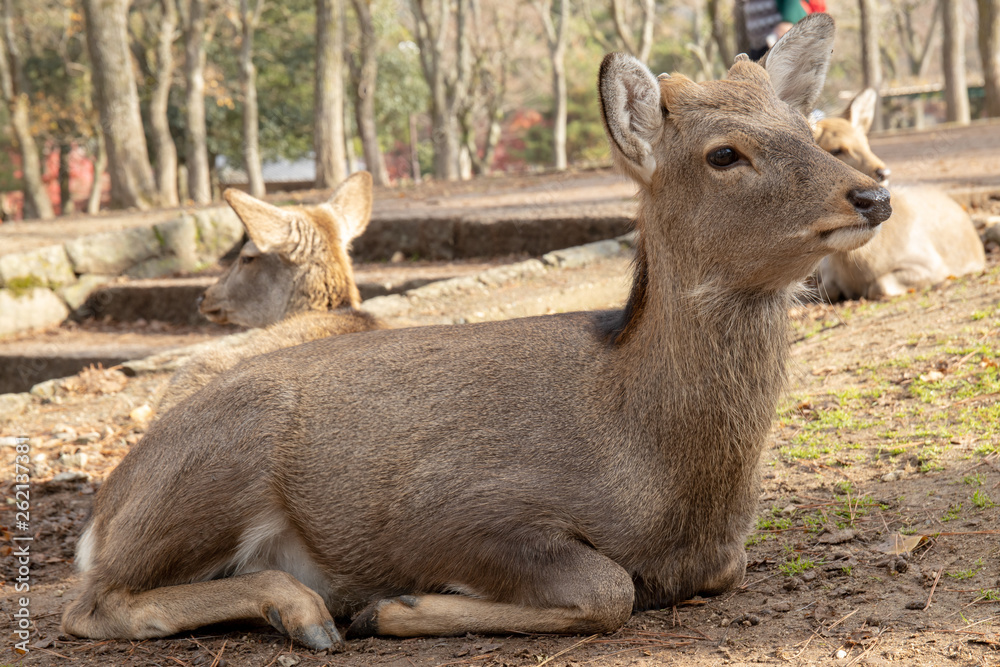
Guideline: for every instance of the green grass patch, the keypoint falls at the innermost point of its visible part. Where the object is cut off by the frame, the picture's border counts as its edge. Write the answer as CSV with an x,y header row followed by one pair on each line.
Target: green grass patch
x,y
797,566
981,500
954,512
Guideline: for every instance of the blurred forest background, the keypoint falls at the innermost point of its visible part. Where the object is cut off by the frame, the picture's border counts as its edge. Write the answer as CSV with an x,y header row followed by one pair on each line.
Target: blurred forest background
x,y
145,103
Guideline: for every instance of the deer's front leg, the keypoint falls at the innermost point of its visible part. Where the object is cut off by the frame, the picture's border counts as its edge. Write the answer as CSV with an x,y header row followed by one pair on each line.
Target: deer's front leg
x,y
278,597
584,593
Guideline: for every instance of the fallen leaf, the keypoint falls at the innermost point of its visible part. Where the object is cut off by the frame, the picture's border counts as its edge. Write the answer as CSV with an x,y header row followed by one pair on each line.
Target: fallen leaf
x,y
900,544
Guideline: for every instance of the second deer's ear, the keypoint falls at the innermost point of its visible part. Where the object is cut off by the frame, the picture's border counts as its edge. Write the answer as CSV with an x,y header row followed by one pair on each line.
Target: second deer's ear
x,y
799,60
268,226
353,201
632,113
861,111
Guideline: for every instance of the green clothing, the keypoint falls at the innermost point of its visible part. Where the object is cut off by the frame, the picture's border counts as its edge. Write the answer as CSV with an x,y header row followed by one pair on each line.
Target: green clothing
x,y
791,10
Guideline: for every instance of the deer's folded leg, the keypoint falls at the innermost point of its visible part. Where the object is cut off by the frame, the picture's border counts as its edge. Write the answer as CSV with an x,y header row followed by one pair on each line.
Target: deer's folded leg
x,y
275,596
585,592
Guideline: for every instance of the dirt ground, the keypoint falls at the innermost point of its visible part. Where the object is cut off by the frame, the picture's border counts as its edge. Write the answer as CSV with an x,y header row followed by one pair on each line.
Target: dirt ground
x,y
876,540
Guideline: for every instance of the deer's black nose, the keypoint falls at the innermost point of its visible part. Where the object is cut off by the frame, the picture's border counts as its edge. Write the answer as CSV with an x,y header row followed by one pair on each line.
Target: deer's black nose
x,y
873,204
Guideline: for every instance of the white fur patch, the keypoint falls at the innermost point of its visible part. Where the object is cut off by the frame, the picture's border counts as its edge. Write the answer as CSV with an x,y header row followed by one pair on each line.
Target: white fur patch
x,y
85,549
271,543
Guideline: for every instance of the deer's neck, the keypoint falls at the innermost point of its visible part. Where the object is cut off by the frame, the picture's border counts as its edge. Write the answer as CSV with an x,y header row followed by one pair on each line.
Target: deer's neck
x,y
703,365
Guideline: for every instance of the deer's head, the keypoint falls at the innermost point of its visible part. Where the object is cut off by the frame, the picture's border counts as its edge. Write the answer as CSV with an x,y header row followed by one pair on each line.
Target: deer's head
x,y
846,138
732,184
296,258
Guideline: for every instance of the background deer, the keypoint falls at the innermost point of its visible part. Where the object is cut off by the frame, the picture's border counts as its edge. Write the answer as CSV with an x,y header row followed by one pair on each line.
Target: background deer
x,y
294,276
928,238
546,474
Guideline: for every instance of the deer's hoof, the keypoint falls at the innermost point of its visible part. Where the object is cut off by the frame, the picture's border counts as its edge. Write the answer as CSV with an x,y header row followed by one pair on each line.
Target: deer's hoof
x,y
365,624
318,636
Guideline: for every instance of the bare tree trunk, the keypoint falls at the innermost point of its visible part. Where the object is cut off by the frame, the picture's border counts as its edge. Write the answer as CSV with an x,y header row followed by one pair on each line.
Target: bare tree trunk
x,y
740,27
625,32
15,94
248,81
871,63
365,105
100,164
719,33
66,205
556,35
414,156
447,92
956,92
328,123
196,146
166,151
989,52
132,183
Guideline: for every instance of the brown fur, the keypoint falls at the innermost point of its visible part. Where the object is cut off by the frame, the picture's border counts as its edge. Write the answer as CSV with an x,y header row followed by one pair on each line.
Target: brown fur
x,y
294,277
533,475
928,239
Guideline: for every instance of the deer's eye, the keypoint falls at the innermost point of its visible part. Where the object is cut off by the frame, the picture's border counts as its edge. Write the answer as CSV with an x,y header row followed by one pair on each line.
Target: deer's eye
x,y
246,259
724,157
836,151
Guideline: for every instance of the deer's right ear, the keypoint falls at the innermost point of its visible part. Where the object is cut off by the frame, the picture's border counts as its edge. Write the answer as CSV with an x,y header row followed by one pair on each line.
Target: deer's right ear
x,y
798,62
631,110
861,111
267,226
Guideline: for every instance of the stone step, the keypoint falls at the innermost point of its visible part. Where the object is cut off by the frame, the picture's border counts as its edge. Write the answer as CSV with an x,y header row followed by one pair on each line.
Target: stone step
x,y
175,300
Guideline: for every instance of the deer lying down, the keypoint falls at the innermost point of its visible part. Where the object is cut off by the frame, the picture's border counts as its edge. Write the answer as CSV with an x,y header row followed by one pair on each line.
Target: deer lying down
x,y
546,474
293,276
928,238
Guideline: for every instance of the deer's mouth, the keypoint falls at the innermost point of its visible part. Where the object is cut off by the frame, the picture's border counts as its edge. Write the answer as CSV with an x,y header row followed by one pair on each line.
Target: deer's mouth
x,y
216,315
850,237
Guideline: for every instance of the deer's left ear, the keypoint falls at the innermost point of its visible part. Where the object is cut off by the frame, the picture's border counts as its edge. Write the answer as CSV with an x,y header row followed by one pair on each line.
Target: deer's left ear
x,y
798,62
631,109
352,202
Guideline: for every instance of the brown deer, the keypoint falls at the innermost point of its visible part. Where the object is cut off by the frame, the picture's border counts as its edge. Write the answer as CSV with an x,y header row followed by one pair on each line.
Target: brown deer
x,y
294,276
928,239
545,474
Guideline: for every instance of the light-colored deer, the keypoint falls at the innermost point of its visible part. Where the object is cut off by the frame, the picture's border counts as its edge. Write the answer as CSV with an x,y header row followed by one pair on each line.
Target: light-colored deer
x,y
546,474
928,238
294,276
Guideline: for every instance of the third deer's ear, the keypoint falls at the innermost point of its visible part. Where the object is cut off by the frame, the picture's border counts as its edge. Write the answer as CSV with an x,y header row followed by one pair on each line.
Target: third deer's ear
x,y
798,61
268,226
861,112
632,113
352,200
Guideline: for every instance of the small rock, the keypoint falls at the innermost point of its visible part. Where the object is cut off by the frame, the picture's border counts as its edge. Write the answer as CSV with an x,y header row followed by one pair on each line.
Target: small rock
x,y
287,660
77,460
915,605
792,584
397,257
841,654
893,476
71,476
141,414
809,575
781,606
789,510
837,537
87,438
992,233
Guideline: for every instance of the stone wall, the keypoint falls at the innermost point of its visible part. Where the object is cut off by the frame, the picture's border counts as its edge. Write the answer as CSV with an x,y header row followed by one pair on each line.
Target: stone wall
x,y
40,287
